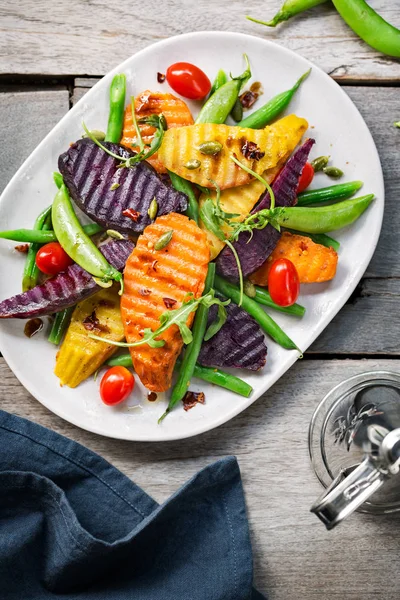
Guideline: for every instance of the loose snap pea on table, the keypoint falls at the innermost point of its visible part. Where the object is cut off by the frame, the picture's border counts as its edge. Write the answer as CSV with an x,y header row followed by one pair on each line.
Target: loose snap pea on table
x,y
42,236
289,9
266,322
76,243
267,113
117,108
31,272
219,105
324,218
215,376
192,350
341,191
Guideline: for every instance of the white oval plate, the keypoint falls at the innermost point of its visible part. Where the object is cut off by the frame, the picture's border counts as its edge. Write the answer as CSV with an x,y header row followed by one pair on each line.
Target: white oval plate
x,y
339,130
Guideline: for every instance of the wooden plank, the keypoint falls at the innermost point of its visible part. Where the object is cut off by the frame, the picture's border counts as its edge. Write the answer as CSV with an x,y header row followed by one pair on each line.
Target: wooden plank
x,y
26,117
295,558
89,38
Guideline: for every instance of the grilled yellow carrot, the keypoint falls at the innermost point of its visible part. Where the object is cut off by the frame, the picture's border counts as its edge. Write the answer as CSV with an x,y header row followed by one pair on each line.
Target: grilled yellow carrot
x,y
79,355
156,280
182,150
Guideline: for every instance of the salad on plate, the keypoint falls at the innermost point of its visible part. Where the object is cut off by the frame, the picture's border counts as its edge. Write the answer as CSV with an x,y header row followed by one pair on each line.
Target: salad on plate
x,y
172,237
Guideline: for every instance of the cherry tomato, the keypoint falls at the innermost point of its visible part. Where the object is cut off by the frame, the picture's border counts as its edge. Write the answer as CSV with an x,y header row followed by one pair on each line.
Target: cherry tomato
x,y
116,385
188,80
283,282
306,177
52,259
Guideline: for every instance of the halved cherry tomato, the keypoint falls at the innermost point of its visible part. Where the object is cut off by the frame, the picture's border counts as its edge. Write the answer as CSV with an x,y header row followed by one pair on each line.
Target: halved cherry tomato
x,y
283,282
306,177
116,385
188,80
52,259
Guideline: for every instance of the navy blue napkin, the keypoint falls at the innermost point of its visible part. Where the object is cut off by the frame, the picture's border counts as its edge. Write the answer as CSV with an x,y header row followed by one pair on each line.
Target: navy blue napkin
x,y
72,526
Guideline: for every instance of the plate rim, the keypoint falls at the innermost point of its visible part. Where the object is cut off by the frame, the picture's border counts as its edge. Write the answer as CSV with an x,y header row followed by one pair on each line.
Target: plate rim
x,y
225,417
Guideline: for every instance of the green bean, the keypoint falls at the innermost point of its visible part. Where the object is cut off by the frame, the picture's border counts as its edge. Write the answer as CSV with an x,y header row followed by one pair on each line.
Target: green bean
x,y
42,236
117,107
193,349
237,111
323,218
341,191
289,9
320,238
215,376
31,272
267,113
263,297
60,325
219,105
77,244
266,323
370,26
218,82
184,186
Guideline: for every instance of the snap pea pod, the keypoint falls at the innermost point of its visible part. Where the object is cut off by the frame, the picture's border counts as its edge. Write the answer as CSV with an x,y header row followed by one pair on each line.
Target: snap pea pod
x,y
219,105
219,81
184,186
320,238
341,191
289,9
60,325
192,350
370,26
117,108
267,113
263,297
77,244
42,236
266,322
215,376
31,272
323,218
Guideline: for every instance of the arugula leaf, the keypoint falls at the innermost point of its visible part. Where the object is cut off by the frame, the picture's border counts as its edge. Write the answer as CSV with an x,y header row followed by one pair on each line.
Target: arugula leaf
x,y
217,324
210,219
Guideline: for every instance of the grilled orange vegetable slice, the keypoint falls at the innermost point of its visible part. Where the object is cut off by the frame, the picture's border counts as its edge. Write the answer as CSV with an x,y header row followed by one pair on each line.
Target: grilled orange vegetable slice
x,y
314,263
158,280
175,111
79,355
180,150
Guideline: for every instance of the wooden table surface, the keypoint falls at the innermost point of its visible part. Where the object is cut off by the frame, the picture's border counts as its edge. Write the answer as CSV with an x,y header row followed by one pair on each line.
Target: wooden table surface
x,y
50,54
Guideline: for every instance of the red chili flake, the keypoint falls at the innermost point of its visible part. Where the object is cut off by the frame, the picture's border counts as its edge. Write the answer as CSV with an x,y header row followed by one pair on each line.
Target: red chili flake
x,y
169,302
131,214
23,248
91,323
247,99
144,292
151,396
154,265
251,151
190,399
160,77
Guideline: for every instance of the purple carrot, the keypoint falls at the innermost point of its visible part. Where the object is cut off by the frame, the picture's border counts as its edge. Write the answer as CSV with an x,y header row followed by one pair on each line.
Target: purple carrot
x,y
105,192
239,343
65,289
254,253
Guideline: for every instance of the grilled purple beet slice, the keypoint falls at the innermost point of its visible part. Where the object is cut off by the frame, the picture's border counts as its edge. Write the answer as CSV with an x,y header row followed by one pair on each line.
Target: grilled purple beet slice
x,y
254,253
65,289
103,191
239,343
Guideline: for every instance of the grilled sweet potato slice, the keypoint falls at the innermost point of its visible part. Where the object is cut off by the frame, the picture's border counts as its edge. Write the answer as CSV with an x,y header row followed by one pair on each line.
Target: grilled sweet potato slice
x,y
314,263
259,149
79,355
158,280
175,111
